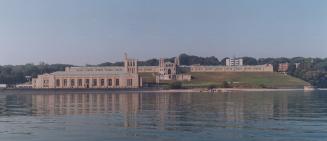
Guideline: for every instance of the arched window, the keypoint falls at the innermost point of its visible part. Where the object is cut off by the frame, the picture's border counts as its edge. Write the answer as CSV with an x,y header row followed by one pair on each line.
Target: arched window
x,y
95,82
57,82
102,82
80,82
109,82
72,82
117,82
65,82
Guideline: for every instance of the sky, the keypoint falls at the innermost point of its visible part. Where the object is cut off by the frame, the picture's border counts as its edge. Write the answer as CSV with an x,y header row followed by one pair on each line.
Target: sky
x,y
83,32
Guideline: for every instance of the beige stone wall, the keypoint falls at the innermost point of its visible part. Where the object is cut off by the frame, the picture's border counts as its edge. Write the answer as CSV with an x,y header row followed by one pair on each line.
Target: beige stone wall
x,y
153,69
111,69
94,69
50,81
258,68
92,77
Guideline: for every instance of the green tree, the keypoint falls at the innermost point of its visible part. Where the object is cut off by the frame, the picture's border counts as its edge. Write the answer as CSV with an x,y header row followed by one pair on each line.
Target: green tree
x,y
175,85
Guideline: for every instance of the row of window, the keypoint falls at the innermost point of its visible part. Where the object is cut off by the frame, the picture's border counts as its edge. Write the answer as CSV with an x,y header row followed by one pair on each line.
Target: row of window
x,y
88,82
131,63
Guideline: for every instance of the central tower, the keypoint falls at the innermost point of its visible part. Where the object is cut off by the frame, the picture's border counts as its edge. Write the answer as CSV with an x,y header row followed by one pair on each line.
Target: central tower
x,y
130,65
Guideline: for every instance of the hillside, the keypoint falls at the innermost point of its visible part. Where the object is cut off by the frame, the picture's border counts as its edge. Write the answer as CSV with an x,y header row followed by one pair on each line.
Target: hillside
x,y
239,80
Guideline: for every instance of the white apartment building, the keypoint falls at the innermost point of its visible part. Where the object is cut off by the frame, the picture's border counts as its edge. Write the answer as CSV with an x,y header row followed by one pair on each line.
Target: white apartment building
x,y
234,62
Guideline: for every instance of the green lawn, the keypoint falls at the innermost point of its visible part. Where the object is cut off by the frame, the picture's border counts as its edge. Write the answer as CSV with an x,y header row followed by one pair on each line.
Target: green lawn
x,y
240,80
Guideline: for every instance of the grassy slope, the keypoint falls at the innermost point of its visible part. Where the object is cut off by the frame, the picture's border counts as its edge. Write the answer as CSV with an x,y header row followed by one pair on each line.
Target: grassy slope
x,y
255,80
243,80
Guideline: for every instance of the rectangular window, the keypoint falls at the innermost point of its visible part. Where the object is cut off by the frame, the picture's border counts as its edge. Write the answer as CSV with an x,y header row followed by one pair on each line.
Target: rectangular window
x,y
109,82
129,82
95,82
65,82
72,82
102,82
58,82
117,82
80,82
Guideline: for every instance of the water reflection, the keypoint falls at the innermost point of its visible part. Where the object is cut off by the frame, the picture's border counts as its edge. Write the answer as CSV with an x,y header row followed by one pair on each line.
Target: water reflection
x,y
171,106
71,104
188,116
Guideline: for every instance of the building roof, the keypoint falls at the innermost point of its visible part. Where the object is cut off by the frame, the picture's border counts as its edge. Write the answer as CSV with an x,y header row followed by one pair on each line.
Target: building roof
x,y
92,69
265,65
91,73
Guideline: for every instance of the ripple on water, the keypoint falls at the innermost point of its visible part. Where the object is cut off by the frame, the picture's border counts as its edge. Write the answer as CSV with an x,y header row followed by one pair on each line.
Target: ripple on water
x,y
268,116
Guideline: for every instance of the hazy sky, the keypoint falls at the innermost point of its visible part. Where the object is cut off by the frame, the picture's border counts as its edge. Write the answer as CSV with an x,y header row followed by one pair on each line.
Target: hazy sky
x,y
96,31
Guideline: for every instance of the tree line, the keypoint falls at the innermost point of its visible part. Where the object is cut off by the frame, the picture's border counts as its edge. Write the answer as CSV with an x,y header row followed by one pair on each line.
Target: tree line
x,y
312,70
16,74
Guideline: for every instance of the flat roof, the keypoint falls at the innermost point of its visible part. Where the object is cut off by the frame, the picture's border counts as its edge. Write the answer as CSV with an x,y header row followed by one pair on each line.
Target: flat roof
x,y
91,73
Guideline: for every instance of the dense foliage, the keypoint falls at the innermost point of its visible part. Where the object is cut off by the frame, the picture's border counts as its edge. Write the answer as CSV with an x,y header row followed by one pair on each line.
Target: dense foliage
x,y
10,74
312,70
192,60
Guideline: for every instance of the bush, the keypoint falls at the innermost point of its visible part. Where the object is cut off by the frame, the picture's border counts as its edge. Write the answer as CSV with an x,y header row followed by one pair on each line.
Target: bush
x,y
226,84
263,86
212,86
175,85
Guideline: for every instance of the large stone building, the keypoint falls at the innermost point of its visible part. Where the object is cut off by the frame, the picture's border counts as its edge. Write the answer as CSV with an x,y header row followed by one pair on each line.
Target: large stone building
x,y
92,77
127,76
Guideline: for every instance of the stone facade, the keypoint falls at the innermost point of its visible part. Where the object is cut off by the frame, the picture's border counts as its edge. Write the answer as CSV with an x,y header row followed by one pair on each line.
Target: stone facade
x,y
127,76
92,77
166,70
148,69
257,68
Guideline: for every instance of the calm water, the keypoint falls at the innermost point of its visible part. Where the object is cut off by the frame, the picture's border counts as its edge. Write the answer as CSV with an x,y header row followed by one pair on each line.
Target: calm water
x,y
78,116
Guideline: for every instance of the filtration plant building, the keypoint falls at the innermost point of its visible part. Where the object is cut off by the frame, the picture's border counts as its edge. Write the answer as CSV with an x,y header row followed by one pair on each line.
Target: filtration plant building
x,y
92,77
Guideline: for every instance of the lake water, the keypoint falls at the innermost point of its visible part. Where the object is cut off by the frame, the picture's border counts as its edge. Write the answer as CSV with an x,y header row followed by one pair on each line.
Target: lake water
x,y
119,116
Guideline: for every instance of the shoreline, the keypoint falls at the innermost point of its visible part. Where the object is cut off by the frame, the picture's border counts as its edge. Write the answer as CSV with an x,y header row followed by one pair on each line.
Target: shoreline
x,y
151,90
224,90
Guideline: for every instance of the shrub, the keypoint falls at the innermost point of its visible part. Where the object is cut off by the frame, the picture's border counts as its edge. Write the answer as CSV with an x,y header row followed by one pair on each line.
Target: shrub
x,y
175,85
212,86
226,84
